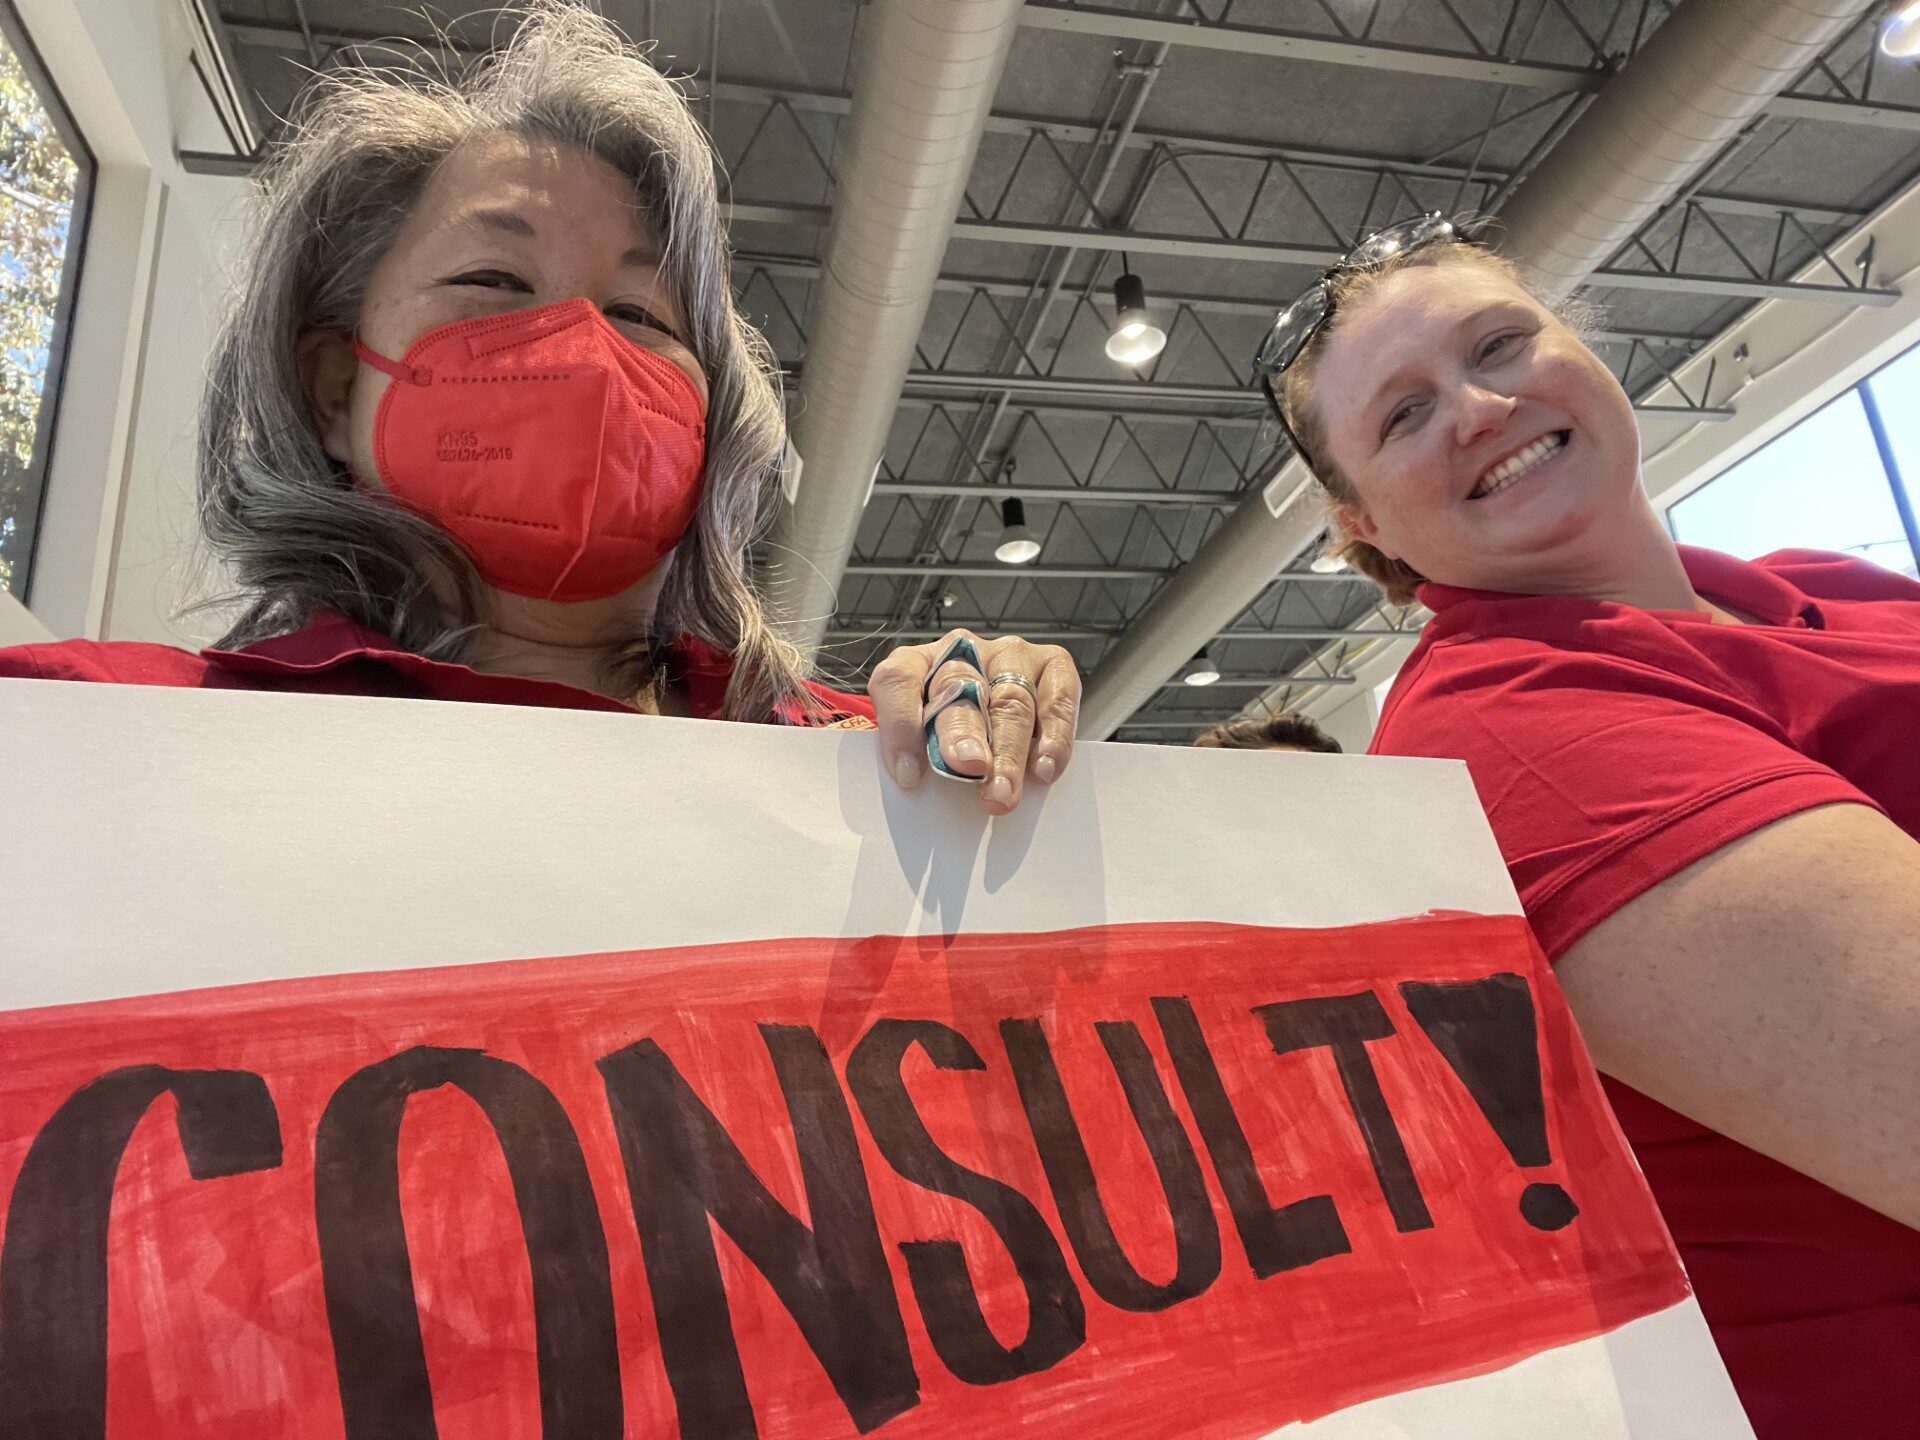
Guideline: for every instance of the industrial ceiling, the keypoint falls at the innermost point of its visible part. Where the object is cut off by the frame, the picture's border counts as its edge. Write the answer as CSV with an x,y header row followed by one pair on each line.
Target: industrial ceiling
x,y
1225,150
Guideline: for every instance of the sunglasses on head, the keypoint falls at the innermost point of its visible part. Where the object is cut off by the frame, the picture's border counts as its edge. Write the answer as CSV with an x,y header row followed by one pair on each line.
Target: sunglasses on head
x,y
1308,315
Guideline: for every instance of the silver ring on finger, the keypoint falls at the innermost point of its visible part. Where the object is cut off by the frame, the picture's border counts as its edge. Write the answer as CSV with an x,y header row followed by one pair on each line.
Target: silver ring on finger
x,y
1013,677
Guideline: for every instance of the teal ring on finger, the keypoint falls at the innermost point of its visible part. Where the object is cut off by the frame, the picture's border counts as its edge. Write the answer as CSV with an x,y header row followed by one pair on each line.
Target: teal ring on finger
x,y
967,692
959,648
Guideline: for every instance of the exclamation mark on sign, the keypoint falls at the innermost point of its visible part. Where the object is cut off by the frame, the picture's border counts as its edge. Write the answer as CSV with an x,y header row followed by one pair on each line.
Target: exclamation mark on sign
x,y
1485,1031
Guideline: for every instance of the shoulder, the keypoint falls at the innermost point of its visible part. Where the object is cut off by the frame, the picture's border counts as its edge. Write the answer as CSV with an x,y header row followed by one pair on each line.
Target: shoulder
x,y
110,662
1532,674
1825,575
1606,758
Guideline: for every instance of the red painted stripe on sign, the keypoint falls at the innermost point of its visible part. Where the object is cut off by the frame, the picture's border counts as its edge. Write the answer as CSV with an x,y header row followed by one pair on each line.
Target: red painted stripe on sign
x,y
1130,1181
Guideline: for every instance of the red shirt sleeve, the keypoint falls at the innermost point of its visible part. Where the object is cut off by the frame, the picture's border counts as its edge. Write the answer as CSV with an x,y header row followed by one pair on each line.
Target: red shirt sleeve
x,y
844,711
118,662
17,662
1600,775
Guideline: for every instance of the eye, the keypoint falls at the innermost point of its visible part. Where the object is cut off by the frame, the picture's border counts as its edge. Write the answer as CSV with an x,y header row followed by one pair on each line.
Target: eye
x,y
1500,346
1401,416
645,318
490,280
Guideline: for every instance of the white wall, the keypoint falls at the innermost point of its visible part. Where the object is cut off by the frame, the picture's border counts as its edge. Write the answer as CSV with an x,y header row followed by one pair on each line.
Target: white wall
x,y
152,574
17,624
111,552
1351,721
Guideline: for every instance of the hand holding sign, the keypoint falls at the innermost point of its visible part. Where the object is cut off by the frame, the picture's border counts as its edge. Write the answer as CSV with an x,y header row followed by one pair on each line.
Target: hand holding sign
x,y
1017,719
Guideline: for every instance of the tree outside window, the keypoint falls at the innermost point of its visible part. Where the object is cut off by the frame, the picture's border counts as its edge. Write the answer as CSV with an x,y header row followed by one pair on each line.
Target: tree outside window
x,y
44,168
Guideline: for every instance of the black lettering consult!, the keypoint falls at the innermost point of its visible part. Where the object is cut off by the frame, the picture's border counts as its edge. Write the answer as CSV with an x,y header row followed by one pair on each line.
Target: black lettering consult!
x,y
937,1269
682,1167
368,1275
1063,1154
1345,1024
53,1266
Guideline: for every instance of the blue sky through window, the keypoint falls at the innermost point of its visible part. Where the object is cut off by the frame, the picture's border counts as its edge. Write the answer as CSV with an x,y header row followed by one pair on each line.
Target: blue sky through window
x,y
1820,486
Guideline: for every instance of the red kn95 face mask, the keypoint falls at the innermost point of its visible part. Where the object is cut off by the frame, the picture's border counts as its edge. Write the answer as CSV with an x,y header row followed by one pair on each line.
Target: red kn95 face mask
x,y
565,459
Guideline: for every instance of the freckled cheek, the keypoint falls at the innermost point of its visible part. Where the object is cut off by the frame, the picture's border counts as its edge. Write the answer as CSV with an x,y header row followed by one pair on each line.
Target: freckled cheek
x,y
1579,383
1406,499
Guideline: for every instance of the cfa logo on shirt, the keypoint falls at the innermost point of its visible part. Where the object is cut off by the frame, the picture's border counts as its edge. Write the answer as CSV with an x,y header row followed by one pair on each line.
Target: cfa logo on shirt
x,y
463,446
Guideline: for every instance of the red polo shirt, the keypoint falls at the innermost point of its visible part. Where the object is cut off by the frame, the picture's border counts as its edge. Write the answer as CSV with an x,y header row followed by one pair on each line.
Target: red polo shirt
x,y
1614,746
330,655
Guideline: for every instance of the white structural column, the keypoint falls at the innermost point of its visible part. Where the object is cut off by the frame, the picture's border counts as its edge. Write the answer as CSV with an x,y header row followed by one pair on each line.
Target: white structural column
x,y
1706,72
924,81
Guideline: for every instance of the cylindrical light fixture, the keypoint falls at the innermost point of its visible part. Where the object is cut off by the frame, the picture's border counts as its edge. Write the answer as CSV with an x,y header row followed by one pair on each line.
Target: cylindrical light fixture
x,y
1900,33
1201,670
1135,339
1017,543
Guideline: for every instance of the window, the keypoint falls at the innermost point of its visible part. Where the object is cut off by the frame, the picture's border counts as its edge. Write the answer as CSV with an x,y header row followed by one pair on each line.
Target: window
x,y
45,171
1893,406
1832,482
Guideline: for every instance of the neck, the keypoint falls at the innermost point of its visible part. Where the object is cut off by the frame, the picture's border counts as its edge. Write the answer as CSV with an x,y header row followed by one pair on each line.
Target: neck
x,y
1638,564
582,644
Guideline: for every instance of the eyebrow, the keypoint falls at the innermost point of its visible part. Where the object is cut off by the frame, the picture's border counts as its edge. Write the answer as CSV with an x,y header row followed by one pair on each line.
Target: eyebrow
x,y
511,222
1398,377
1393,382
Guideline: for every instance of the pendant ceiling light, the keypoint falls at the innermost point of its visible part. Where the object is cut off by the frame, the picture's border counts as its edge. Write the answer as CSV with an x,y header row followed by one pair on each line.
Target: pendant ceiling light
x,y
1201,670
1900,34
1017,543
1136,339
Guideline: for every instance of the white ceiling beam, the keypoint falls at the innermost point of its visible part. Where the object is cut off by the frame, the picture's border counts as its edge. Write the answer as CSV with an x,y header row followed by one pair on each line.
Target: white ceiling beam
x,y
1317,49
1825,287
1058,494
1415,60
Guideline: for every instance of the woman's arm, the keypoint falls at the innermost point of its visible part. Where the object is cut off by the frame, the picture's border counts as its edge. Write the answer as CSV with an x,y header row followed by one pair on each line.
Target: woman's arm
x,y
1771,992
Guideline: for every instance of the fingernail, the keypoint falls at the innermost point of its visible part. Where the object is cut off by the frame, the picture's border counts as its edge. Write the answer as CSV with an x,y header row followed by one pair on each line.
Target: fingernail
x,y
1046,767
1000,790
907,771
968,751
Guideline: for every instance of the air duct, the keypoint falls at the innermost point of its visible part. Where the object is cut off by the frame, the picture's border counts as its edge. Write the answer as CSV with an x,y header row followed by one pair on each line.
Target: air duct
x,y
1706,73
924,80
1704,76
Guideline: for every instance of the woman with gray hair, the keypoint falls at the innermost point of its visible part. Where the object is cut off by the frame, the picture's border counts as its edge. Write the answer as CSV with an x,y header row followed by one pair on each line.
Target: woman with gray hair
x,y
484,423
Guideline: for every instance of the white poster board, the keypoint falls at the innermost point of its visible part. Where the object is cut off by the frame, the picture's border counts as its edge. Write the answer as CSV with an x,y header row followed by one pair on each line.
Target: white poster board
x,y
582,1075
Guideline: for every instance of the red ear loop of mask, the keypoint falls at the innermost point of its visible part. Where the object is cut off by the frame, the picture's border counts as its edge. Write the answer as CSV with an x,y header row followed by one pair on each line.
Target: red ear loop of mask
x,y
405,373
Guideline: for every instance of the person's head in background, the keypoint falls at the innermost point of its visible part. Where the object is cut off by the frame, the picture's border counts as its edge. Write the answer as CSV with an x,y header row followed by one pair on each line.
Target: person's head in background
x,y
1270,732
563,171
1466,434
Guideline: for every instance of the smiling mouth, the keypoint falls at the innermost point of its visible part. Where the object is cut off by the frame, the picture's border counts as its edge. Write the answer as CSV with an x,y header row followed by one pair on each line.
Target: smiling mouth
x,y
1520,464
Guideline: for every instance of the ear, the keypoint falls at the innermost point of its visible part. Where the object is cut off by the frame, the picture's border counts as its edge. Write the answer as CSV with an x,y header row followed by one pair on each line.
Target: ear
x,y
1354,519
328,368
